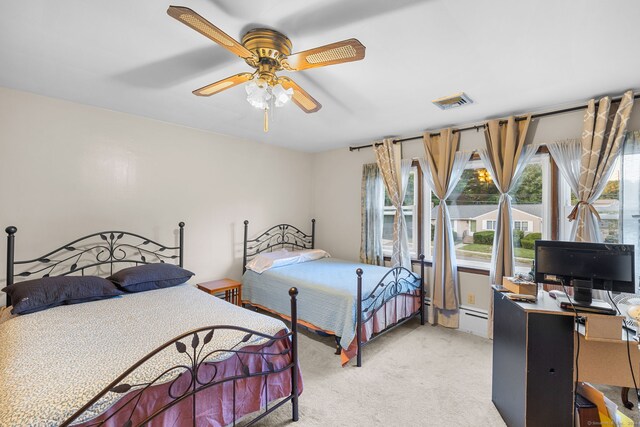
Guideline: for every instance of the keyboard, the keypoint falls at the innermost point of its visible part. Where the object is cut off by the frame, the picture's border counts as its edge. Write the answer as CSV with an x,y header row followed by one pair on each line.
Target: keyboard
x,y
629,324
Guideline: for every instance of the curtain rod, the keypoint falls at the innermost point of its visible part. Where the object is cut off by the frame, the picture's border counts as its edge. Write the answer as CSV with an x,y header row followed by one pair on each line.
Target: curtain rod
x,y
478,127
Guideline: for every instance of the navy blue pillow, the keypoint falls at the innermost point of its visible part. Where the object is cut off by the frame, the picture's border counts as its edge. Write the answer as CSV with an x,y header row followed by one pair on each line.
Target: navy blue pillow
x,y
39,294
147,277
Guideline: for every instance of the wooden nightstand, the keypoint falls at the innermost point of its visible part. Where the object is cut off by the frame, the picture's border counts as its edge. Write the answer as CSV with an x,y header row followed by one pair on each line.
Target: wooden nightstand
x,y
232,289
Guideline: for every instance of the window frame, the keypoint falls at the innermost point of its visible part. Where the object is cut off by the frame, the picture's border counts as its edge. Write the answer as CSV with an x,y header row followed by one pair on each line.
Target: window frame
x,y
417,215
550,203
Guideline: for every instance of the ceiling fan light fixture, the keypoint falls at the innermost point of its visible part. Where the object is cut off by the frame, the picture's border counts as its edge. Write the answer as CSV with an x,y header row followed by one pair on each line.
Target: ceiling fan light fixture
x,y
264,96
258,94
281,95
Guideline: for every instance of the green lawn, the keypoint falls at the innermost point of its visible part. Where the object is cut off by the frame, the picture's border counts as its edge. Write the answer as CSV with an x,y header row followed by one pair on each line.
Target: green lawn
x,y
486,249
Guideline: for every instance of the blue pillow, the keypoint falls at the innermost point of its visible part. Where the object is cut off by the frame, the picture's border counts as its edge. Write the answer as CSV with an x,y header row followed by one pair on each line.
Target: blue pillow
x,y
39,294
150,276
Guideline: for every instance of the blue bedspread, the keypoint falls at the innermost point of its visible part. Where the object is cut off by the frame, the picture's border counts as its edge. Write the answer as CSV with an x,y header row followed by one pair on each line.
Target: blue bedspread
x,y
327,292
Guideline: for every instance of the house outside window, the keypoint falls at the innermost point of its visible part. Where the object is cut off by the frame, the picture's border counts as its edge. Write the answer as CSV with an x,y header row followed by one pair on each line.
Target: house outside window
x,y
473,209
521,225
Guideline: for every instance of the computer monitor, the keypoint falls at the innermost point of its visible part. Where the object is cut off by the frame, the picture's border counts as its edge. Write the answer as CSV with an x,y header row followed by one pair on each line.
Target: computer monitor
x,y
585,266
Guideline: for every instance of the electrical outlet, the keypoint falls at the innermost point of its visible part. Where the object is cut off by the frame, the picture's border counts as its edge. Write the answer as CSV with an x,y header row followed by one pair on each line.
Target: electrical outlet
x,y
471,298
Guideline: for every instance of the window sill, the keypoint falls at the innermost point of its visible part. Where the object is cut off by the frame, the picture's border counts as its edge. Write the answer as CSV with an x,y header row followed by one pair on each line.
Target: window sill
x,y
461,268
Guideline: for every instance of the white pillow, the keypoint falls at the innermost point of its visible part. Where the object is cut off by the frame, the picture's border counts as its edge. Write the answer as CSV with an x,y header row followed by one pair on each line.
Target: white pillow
x,y
267,260
311,254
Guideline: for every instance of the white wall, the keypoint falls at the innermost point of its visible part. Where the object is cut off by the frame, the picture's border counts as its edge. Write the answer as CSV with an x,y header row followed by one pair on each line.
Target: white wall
x,y
337,179
69,170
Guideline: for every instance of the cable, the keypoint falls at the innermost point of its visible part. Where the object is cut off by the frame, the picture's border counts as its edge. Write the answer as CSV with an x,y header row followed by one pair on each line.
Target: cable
x,y
628,351
575,385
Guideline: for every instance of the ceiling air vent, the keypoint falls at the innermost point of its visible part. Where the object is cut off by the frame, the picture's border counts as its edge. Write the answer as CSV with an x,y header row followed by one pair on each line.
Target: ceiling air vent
x,y
453,101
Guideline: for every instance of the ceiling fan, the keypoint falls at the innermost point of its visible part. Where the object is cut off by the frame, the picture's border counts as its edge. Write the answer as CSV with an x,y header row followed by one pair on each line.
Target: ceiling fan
x,y
268,51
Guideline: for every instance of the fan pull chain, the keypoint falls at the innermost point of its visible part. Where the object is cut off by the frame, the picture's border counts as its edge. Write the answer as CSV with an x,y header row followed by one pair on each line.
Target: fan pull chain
x,y
266,120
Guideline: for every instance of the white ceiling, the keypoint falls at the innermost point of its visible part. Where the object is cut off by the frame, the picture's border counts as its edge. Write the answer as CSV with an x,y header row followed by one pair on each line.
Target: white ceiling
x,y
509,57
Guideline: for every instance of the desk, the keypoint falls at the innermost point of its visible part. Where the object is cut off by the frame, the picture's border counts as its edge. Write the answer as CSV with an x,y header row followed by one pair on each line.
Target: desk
x,y
533,362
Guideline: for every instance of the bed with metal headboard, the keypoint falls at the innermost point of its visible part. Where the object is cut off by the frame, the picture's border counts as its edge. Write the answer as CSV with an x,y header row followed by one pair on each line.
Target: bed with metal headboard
x,y
92,254
171,355
281,236
353,302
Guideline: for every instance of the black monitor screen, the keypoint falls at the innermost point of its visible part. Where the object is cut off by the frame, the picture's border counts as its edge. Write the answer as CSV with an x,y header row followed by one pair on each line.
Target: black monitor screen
x,y
609,266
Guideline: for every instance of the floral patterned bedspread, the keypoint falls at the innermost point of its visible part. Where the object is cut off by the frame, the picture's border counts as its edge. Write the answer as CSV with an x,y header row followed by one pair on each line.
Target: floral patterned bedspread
x,y
54,361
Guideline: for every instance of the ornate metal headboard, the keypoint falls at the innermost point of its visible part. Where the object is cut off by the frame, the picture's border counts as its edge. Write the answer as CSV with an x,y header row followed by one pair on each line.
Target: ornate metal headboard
x,y
91,253
279,236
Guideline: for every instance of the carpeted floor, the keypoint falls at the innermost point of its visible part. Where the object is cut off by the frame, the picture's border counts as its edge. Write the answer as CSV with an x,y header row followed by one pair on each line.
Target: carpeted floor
x,y
413,376
613,393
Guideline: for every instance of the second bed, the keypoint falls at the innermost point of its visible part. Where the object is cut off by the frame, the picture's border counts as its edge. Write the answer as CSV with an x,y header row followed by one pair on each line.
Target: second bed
x,y
330,289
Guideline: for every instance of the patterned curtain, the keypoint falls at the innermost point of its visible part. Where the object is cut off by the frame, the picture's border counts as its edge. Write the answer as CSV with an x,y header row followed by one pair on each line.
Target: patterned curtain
x,y
388,157
602,138
372,211
442,169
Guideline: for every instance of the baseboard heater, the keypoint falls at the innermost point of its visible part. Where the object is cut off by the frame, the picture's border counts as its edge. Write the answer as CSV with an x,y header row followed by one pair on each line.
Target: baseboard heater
x,y
474,320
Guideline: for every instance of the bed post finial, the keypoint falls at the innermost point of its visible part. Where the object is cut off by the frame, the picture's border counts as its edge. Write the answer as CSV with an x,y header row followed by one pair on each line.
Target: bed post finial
x,y
293,293
11,231
359,318
313,233
181,225
244,250
422,317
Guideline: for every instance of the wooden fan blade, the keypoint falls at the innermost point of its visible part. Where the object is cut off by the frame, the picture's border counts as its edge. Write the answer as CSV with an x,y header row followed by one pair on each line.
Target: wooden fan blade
x,y
301,98
334,53
207,29
223,84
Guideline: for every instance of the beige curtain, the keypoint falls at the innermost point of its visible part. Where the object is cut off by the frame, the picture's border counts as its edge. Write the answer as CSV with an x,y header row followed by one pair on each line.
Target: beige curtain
x,y
389,160
443,165
504,157
602,138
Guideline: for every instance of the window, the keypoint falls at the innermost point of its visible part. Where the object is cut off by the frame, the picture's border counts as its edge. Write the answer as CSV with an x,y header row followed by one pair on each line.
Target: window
x,y
618,205
521,225
530,210
630,195
410,210
473,209
607,206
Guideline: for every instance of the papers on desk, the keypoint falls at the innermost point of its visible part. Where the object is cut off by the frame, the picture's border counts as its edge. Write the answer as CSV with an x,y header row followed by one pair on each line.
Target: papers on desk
x,y
520,297
607,409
